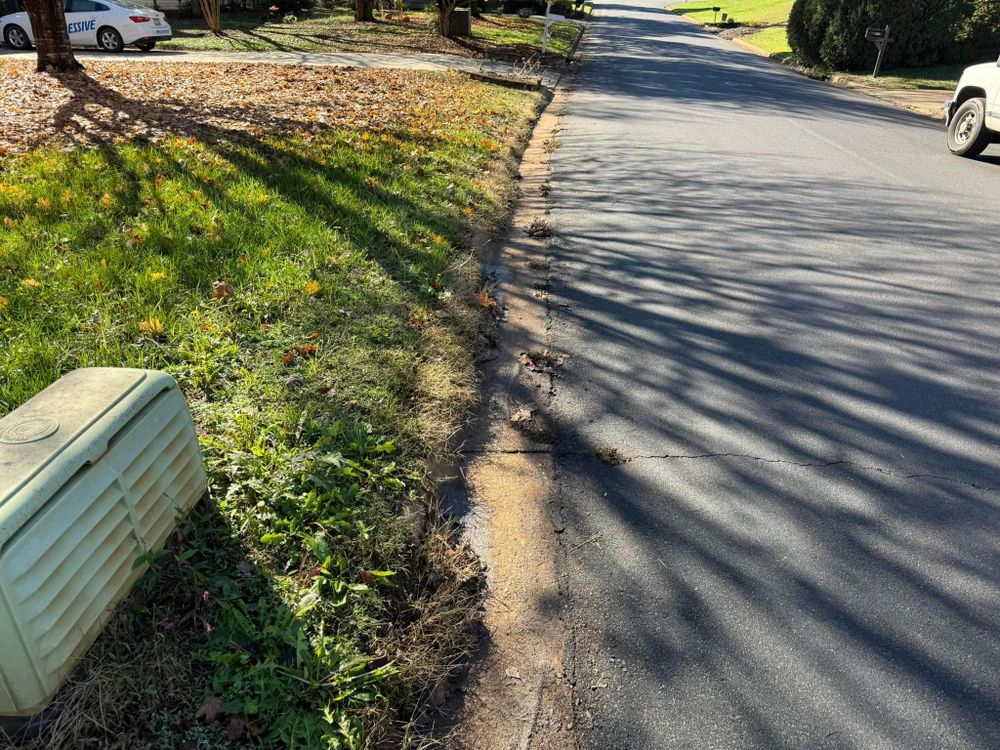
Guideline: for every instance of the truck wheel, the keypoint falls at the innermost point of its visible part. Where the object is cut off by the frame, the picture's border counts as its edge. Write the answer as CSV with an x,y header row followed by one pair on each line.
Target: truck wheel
x,y
16,38
967,134
109,40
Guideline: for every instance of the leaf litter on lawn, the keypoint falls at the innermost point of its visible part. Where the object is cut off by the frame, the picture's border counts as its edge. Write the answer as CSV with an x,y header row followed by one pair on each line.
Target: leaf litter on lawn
x,y
111,102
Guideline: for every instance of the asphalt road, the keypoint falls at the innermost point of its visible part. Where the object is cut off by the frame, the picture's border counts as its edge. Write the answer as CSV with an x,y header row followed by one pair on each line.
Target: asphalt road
x,y
781,300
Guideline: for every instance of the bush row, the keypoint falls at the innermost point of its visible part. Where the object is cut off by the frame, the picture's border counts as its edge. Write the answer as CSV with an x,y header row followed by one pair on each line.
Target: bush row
x,y
924,32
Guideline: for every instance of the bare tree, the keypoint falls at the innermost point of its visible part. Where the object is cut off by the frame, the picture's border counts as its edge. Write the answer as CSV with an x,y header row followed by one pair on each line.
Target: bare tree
x,y
212,11
48,22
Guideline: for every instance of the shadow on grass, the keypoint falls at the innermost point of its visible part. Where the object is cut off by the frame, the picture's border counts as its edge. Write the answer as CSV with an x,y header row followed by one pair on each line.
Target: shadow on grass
x,y
205,597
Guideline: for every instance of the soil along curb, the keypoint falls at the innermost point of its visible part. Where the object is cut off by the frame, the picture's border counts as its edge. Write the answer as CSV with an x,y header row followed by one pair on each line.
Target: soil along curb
x,y
518,689
926,102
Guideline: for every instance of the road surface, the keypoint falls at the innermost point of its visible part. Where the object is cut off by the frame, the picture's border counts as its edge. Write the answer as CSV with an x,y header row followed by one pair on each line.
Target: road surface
x,y
781,301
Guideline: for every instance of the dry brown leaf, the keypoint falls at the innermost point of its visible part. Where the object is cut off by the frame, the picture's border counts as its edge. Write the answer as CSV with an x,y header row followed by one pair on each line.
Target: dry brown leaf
x,y
222,290
209,710
234,729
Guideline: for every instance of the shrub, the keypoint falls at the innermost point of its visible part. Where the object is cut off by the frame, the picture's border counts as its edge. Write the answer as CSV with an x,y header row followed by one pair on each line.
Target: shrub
x,y
924,32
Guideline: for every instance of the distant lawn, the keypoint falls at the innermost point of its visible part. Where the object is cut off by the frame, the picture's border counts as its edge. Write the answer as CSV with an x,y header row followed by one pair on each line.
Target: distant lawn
x,y
762,12
772,40
936,77
336,31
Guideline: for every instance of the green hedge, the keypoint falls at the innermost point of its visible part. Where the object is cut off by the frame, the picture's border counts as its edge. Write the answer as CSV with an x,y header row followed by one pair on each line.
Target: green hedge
x,y
924,32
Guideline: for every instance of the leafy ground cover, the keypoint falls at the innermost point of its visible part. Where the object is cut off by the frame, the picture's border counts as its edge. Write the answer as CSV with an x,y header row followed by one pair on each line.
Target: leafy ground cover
x,y
335,31
290,244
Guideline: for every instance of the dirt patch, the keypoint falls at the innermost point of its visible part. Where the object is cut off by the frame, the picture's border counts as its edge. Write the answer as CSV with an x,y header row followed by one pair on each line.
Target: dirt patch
x,y
520,694
736,32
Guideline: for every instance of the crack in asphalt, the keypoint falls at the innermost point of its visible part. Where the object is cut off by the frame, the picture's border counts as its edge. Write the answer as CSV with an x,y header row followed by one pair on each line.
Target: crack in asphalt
x,y
626,458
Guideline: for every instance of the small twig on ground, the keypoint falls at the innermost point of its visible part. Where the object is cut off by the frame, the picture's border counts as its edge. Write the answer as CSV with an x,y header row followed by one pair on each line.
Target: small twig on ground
x,y
594,538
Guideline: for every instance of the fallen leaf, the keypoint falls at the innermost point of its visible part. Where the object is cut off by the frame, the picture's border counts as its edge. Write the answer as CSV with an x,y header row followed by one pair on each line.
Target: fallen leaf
x,y
222,290
151,328
234,730
209,710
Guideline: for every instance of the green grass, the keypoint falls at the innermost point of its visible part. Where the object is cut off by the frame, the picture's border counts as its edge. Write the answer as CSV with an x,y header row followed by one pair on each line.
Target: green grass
x,y
772,40
757,12
527,33
334,359
335,31
936,77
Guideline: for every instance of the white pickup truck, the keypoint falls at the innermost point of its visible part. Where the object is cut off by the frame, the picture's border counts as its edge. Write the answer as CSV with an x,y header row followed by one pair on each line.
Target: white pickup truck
x,y
973,116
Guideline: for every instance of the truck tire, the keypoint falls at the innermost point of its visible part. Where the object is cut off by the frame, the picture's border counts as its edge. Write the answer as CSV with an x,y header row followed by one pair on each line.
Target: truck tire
x,y
967,133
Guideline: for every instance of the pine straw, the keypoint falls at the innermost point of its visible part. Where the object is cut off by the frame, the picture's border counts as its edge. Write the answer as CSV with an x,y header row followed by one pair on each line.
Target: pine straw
x,y
101,695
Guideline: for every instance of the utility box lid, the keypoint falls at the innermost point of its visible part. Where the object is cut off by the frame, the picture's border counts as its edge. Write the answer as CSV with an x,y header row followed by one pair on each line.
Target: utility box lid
x,y
40,443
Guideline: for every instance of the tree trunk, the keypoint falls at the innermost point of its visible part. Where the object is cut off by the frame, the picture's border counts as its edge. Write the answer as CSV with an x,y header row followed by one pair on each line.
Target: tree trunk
x,y
445,7
364,10
212,11
48,22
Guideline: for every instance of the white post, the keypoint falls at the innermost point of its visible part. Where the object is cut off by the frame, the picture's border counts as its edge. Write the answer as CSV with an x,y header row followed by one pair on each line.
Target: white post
x,y
548,23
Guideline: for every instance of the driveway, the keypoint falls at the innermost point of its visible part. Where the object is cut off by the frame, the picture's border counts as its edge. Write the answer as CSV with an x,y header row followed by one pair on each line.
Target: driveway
x,y
780,303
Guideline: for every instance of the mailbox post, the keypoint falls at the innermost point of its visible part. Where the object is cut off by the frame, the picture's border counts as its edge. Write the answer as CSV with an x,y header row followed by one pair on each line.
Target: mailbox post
x,y
548,27
880,38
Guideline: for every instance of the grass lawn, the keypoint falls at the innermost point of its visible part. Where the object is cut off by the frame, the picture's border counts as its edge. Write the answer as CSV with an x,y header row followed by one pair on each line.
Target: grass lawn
x,y
937,77
756,12
772,40
291,245
335,31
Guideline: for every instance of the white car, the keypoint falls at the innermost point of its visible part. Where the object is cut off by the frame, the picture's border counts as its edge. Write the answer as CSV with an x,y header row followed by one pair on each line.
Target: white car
x,y
108,24
973,116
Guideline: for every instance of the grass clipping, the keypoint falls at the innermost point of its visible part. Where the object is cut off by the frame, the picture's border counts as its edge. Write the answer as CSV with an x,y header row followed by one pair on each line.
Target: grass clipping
x,y
292,245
